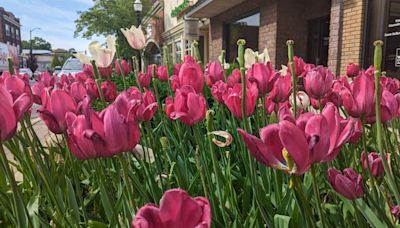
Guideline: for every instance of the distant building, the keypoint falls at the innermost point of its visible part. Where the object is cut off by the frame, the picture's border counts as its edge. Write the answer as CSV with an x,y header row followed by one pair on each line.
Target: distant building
x,y
10,29
43,58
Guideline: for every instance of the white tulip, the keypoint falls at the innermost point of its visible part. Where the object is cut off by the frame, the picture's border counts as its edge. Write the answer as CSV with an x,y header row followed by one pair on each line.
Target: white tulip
x,y
302,100
135,37
103,56
251,57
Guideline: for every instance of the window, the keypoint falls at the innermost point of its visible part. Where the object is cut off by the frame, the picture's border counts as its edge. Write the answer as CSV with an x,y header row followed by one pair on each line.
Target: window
x,y
8,30
18,48
392,35
12,32
17,33
244,28
178,51
170,54
188,48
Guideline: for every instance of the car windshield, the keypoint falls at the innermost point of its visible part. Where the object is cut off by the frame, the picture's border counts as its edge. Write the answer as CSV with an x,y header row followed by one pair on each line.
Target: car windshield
x,y
23,70
73,64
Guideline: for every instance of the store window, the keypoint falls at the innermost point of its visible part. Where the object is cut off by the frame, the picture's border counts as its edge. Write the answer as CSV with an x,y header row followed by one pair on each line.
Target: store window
x,y
178,51
392,37
8,30
243,28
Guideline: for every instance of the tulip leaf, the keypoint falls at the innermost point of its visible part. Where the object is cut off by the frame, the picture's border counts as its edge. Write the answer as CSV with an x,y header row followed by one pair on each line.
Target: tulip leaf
x,y
281,221
72,201
369,214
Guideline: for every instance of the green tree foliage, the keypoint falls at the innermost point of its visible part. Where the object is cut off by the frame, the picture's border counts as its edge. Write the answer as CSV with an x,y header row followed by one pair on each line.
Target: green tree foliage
x,y
55,62
107,17
37,43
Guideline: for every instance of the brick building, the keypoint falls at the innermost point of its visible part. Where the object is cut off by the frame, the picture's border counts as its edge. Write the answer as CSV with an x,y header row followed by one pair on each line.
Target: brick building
x,y
10,26
326,32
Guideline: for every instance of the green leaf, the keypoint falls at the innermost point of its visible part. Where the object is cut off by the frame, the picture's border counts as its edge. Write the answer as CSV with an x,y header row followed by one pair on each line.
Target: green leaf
x,y
95,224
72,201
281,221
369,214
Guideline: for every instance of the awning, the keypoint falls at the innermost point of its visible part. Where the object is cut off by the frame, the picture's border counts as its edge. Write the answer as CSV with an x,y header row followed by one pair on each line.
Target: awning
x,y
211,8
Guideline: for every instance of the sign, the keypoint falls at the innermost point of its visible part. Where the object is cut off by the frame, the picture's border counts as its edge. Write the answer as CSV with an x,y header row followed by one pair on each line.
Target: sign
x,y
397,59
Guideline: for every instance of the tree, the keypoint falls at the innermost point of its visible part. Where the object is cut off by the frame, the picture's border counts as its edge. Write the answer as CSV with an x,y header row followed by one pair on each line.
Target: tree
x,y
37,43
108,17
55,62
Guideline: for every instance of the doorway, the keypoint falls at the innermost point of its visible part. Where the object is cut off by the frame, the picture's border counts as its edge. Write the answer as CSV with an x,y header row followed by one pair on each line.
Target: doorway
x,y
318,41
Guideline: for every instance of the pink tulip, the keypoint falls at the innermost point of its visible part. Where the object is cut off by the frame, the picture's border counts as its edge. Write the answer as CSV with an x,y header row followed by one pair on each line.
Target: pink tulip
x,y
177,68
359,100
349,184
126,67
162,73
218,90
81,77
395,211
88,70
233,99
191,74
263,75
318,82
78,91
299,65
375,163
389,106
352,70
269,150
390,84
213,73
177,209
174,83
144,80
281,89
326,135
54,107
143,106
270,105
16,86
38,89
105,72
109,90
357,133
234,78
11,111
91,88
188,106
47,79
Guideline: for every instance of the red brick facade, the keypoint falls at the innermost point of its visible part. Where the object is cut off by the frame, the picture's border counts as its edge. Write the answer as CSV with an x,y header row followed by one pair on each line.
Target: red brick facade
x,y
13,35
281,20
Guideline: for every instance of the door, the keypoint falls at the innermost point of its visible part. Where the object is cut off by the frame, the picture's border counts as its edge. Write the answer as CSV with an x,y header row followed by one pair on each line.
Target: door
x,y
318,41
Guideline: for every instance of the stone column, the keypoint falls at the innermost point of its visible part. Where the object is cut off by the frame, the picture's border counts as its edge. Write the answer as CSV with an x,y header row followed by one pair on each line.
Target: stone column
x,y
335,37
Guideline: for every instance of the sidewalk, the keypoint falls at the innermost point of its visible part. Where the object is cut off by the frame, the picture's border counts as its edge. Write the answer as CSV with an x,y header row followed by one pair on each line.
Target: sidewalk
x,y
43,133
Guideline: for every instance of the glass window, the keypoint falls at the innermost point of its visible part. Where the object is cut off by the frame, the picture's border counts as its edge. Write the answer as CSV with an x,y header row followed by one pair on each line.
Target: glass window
x,y
17,33
8,32
188,48
392,35
170,54
12,32
178,51
244,28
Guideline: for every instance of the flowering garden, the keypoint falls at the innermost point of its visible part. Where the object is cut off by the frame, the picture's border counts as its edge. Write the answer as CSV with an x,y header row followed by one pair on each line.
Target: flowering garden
x,y
201,144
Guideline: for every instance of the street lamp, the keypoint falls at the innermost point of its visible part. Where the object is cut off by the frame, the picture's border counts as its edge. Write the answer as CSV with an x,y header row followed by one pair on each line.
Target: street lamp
x,y
31,51
138,7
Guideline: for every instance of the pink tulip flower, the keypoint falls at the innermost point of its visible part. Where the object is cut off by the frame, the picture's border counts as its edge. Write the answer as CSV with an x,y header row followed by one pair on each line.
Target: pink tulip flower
x,y
299,65
109,90
126,67
263,75
233,99
213,73
191,74
352,70
177,68
218,90
78,91
281,90
91,88
12,110
187,106
375,163
162,73
234,78
349,184
105,72
54,107
144,80
318,82
177,209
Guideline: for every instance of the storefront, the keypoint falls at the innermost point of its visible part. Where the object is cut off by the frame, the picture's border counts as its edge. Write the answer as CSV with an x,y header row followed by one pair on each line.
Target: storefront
x,y
333,33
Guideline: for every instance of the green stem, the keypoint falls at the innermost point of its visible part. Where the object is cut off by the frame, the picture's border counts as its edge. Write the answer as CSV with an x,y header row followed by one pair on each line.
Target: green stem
x,y
10,66
317,196
377,66
120,65
299,189
290,44
97,80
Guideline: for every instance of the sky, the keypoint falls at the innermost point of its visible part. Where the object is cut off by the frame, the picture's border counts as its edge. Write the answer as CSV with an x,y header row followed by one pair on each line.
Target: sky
x,y
55,19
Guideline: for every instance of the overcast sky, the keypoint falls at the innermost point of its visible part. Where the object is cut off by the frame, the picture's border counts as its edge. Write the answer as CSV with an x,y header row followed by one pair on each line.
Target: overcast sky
x,y
54,17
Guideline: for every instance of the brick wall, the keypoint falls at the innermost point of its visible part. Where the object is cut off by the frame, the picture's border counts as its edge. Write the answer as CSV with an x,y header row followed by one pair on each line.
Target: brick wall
x,y
353,15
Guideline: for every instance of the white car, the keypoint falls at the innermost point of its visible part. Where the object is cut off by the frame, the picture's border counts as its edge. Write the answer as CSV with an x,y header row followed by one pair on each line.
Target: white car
x,y
23,71
71,66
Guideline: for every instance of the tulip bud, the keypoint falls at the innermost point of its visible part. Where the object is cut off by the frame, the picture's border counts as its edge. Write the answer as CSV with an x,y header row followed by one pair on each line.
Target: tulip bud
x,y
349,184
302,100
352,70
109,90
375,163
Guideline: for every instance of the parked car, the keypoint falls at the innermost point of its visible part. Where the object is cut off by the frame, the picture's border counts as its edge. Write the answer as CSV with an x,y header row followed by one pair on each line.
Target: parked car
x,y
71,66
57,70
27,71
